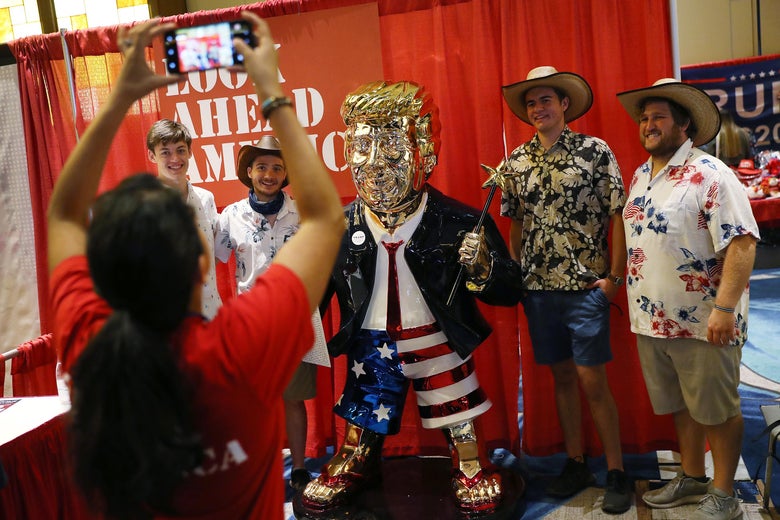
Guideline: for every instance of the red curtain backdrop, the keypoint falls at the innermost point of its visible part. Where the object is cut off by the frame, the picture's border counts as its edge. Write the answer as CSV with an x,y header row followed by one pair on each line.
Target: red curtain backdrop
x,y
40,485
47,140
615,46
463,51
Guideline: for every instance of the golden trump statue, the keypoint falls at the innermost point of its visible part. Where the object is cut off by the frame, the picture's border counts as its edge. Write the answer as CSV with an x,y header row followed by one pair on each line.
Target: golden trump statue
x,y
399,259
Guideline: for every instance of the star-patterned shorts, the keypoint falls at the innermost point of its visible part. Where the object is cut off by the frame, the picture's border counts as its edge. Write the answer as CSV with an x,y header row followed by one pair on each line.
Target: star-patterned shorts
x,y
380,369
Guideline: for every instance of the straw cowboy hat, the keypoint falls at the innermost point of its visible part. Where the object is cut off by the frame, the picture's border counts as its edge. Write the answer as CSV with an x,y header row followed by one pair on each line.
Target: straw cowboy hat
x,y
267,145
704,114
574,86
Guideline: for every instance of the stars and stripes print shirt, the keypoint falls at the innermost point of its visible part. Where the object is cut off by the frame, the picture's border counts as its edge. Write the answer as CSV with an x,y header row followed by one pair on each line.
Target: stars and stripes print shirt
x,y
678,225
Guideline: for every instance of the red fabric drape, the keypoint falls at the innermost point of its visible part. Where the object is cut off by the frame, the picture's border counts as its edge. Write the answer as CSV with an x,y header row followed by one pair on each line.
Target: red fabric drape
x,y
766,212
40,485
592,39
32,370
51,126
463,51
47,139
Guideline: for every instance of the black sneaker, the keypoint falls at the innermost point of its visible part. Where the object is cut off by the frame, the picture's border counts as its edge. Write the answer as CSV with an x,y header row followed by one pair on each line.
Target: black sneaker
x,y
617,497
574,478
299,478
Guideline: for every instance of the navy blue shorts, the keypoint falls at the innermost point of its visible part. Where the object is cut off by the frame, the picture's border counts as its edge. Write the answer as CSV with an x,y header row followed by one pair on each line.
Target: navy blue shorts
x,y
569,324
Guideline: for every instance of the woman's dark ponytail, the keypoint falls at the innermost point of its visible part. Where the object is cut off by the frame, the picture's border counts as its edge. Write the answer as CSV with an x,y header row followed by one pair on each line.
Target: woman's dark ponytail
x,y
132,430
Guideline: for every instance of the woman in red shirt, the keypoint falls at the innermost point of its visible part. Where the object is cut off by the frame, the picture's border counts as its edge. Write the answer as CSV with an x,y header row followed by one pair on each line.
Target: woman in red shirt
x,y
173,415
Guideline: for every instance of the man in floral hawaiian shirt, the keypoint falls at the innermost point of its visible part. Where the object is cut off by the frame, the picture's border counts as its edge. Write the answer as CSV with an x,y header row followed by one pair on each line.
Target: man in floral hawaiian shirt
x,y
564,193
254,229
691,240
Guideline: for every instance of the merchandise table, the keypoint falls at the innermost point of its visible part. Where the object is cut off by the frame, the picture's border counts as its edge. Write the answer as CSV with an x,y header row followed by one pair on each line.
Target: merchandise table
x,y
766,211
33,453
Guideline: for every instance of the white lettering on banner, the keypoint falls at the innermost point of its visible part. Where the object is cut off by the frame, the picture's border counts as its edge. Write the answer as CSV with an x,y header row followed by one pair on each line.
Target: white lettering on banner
x,y
225,77
281,78
763,132
214,163
308,118
763,96
193,173
719,96
219,107
212,110
329,152
309,108
232,455
182,115
251,123
206,81
756,92
739,100
221,162
775,97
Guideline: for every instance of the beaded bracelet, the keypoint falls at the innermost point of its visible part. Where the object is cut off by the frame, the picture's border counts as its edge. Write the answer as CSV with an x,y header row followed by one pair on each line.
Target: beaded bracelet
x,y
272,103
727,310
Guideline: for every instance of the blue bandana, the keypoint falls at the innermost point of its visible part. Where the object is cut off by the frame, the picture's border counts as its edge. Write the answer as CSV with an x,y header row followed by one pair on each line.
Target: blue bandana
x,y
266,208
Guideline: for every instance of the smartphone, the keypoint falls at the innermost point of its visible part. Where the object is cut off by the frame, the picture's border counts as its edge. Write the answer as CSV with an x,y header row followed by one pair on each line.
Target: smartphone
x,y
205,47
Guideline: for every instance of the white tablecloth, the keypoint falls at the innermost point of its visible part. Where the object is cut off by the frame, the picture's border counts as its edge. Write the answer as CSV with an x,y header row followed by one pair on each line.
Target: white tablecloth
x,y
27,414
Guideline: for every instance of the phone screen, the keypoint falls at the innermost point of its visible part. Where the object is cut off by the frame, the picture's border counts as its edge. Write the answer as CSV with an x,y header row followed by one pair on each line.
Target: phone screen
x,y
205,47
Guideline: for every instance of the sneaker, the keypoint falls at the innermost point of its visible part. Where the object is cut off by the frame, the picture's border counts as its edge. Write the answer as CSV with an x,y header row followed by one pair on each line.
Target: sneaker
x,y
617,497
716,507
574,478
678,491
299,478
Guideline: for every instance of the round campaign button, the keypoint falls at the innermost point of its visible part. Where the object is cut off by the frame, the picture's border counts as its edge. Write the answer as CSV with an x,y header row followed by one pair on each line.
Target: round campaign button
x,y
358,237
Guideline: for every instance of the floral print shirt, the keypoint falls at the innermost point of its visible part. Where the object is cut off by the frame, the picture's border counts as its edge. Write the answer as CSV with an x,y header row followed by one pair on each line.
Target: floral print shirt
x,y
247,233
564,199
678,226
202,202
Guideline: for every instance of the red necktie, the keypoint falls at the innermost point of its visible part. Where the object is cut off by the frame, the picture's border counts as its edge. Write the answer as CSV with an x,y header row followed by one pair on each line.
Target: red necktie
x,y
393,301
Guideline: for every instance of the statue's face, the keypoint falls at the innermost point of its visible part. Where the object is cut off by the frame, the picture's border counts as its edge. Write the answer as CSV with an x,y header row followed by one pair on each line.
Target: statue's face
x,y
382,158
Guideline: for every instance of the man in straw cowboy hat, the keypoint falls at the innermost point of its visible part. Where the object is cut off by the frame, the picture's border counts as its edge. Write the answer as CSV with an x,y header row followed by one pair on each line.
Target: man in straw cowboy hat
x,y
254,228
691,240
564,193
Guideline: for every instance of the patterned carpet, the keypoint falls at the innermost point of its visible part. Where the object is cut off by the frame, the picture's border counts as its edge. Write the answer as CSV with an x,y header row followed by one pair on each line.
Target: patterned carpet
x,y
760,385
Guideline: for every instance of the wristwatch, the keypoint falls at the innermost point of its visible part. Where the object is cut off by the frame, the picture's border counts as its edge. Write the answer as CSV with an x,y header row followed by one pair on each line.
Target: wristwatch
x,y
617,280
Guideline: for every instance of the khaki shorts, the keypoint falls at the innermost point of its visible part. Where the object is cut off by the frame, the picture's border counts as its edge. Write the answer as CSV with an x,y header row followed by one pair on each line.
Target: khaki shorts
x,y
689,373
303,384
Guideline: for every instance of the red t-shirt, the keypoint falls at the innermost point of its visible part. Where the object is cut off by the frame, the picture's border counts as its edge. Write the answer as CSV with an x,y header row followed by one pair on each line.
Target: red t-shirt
x,y
239,364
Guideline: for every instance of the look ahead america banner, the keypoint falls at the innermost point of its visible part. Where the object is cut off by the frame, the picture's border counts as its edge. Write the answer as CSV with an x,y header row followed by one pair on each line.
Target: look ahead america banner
x,y
323,55
749,89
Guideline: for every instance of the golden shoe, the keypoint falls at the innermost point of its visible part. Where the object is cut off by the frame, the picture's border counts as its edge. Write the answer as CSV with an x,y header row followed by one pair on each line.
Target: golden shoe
x,y
353,469
479,494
